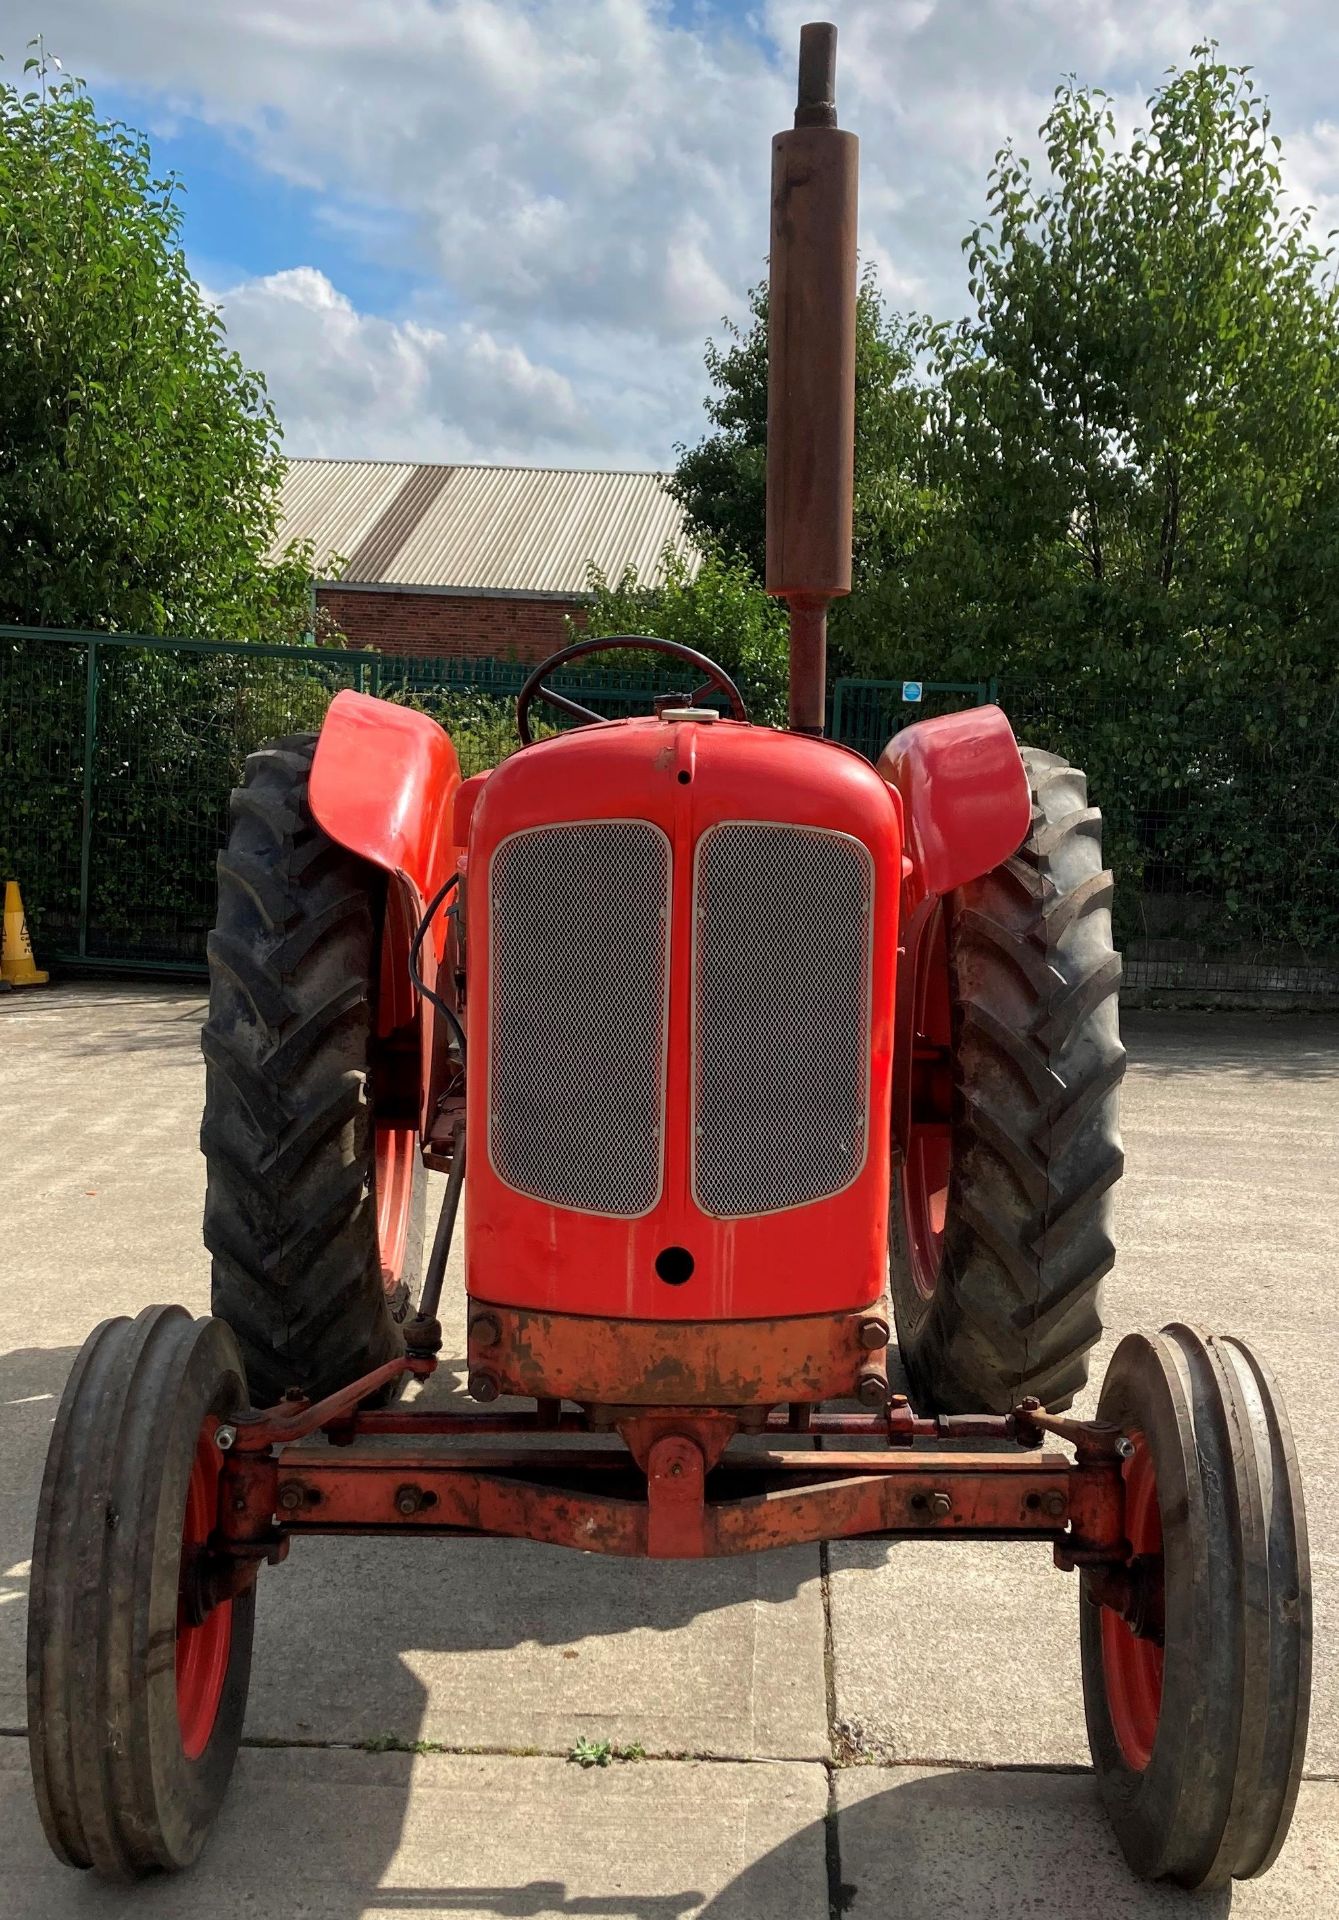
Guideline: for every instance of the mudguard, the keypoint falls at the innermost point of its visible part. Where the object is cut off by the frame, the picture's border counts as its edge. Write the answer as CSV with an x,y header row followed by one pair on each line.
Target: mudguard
x,y
383,784
965,799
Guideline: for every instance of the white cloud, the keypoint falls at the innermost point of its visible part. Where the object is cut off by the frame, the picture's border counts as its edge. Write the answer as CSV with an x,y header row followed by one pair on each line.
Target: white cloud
x,y
1313,174
584,182
454,393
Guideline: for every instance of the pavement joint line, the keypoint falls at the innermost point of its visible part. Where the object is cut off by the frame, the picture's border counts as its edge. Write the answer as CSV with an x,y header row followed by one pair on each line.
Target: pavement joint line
x,y
838,1893
264,1743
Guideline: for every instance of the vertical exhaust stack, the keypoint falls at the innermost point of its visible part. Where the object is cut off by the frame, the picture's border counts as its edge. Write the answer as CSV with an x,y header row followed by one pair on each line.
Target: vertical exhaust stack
x,y
811,370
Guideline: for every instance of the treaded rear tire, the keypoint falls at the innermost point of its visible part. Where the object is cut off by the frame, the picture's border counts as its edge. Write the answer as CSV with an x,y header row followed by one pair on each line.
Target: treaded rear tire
x,y
1035,1134
290,1208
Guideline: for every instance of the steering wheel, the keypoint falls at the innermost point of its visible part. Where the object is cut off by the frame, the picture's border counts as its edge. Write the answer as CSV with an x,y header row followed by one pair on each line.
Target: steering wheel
x,y
714,677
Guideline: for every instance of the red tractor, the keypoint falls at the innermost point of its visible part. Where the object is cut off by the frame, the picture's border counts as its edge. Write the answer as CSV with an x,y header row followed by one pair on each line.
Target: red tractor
x,y
738,1050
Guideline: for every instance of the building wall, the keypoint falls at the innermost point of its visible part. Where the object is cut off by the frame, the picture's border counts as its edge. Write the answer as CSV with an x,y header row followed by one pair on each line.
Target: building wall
x,y
483,626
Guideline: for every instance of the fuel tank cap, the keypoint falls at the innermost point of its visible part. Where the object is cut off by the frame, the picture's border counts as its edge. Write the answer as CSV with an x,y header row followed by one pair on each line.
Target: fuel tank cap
x,y
706,715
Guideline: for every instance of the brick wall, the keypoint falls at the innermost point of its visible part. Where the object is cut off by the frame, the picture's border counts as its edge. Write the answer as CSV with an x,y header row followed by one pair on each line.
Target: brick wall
x,y
486,626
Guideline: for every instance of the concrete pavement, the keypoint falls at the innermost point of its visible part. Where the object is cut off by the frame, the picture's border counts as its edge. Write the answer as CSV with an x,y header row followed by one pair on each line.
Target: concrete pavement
x,y
920,1669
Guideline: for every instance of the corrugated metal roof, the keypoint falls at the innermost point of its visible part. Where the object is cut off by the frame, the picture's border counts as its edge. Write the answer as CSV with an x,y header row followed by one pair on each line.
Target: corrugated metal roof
x,y
493,529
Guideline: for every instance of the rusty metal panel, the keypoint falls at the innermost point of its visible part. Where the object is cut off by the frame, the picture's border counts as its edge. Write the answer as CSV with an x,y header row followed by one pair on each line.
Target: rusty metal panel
x,y
579,1501
711,1363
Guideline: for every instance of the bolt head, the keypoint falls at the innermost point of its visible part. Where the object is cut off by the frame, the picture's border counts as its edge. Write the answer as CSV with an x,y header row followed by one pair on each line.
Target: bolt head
x,y
483,1386
484,1330
290,1498
224,1437
1124,1448
873,1335
940,1506
873,1390
1055,1503
408,1500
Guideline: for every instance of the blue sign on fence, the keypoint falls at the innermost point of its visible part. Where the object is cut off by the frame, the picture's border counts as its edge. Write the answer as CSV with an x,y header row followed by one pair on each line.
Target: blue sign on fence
x,y
911,689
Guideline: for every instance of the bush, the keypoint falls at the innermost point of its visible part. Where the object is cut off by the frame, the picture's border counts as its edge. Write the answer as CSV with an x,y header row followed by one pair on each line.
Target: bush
x,y
721,611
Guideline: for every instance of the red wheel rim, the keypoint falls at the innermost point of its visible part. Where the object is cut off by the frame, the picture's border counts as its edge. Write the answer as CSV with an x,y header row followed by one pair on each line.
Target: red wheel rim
x,y
395,1147
929,1159
1131,1665
202,1651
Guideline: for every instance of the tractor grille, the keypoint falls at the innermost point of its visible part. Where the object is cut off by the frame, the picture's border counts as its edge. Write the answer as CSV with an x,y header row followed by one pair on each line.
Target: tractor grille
x,y
578,1007
781,1015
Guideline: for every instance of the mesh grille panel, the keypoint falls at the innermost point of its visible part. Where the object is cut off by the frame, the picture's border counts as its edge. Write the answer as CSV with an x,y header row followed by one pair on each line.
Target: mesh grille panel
x,y
578,1004
781,1015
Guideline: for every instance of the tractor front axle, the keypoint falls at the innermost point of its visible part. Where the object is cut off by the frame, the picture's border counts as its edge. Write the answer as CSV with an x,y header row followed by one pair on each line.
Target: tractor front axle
x,y
672,1487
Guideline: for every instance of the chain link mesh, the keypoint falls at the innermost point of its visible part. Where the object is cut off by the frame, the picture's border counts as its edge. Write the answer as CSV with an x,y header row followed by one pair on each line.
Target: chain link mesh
x,y
781,1016
578,1007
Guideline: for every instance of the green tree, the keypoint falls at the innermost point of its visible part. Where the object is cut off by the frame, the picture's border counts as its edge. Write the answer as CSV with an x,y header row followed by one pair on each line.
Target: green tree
x,y
721,482
139,459
721,611
1132,454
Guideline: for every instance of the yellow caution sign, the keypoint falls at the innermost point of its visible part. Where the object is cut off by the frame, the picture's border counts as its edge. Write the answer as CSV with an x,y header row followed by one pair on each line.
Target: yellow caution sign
x,y
17,966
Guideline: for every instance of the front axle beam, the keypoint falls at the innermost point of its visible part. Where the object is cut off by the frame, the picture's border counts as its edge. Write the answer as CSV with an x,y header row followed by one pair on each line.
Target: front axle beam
x,y
598,1499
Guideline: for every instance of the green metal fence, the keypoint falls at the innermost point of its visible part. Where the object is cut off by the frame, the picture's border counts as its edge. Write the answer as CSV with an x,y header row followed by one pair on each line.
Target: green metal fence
x,y
118,753
1220,817
865,714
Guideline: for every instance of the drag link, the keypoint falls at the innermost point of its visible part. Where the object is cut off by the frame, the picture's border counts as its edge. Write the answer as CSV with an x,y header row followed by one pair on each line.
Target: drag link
x,y
297,1417
1090,1439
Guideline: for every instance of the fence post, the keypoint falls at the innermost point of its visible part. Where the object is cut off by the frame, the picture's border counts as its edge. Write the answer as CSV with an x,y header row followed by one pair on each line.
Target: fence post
x,y
86,830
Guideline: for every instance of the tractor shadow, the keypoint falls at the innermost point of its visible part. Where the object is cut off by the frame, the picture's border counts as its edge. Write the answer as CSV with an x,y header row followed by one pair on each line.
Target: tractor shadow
x,y
485,1653
508,1646
370,1652
973,1844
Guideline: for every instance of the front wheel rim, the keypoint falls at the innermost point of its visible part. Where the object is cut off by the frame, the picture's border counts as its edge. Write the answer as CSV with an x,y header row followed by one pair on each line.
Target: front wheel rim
x,y
394,1146
203,1650
929,1158
1132,1665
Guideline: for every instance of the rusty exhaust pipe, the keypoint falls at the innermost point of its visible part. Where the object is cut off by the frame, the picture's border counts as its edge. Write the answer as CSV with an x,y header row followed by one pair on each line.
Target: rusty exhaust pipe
x,y
811,370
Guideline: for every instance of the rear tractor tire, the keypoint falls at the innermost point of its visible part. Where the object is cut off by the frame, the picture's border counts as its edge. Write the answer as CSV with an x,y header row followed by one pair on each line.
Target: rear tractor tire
x,y
1000,1216
135,1708
314,1207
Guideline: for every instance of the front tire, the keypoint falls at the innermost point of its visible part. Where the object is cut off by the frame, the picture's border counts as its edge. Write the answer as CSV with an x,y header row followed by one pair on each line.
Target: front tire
x,y
1000,1219
315,1197
1198,1731
135,1714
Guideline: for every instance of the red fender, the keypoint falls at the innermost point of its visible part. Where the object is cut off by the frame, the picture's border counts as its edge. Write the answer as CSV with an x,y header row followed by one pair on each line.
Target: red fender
x,y
383,784
965,797
966,808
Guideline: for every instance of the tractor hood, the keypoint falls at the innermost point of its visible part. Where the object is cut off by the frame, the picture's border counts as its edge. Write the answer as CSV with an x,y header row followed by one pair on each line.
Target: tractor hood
x,y
681,938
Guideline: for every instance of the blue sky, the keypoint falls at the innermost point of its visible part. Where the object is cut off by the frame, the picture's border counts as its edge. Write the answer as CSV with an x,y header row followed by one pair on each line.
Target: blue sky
x,y
502,229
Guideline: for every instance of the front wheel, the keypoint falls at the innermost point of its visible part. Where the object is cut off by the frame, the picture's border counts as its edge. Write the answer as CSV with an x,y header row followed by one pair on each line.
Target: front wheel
x,y
1197,1655
135,1697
